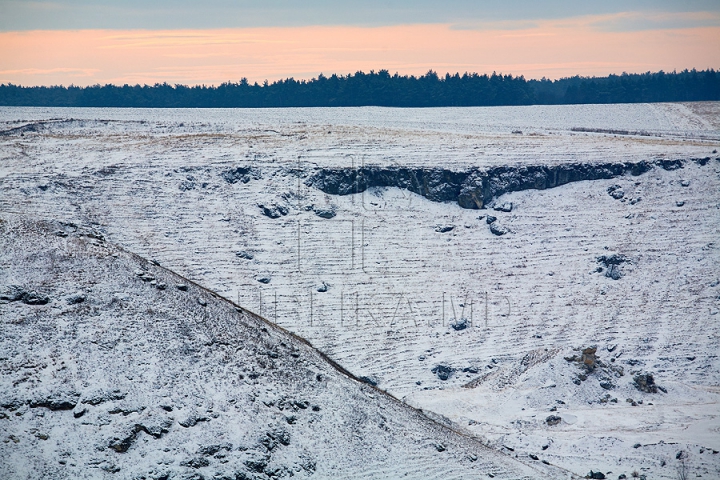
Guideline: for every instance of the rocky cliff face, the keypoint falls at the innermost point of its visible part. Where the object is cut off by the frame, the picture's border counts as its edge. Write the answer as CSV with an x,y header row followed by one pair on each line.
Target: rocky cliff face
x,y
475,188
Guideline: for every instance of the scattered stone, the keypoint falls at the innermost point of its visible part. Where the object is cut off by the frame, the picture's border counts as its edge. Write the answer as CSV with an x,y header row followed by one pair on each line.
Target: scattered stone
x,y
612,264
264,279
240,174
490,219
497,229
274,210
244,254
637,445
461,324
685,183
440,447
444,228
443,371
75,298
324,212
144,276
680,203
553,420
101,396
57,401
470,370
504,207
202,301
635,200
192,419
323,287
534,457
645,383
616,192
197,462
12,293
592,474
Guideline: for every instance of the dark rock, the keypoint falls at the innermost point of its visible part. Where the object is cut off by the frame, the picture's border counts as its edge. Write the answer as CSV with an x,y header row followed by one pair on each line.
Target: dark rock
x,y
473,188
444,228
471,370
202,301
534,457
240,174
102,396
490,219
498,229
612,263
440,447
324,212
553,420
461,324
607,385
685,183
443,371
35,298
57,401
244,254
264,279
144,276
323,287
182,287
123,443
155,427
75,298
197,462
670,164
616,192
680,203
274,210
258,463
186,186
192,419
645,383
592,474
12,293
637,445
505,207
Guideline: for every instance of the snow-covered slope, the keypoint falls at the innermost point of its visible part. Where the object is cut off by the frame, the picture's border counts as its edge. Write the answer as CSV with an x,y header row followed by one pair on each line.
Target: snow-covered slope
x,y
115,367
378,285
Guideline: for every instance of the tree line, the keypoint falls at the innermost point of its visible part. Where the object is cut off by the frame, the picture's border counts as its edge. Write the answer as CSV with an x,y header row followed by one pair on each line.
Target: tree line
x,y
383,89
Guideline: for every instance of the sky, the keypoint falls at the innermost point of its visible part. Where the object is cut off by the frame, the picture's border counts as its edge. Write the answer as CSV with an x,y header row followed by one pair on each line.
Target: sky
x,y
86,42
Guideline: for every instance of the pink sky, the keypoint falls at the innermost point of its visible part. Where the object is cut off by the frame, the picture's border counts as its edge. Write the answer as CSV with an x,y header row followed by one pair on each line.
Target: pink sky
x,y
552,49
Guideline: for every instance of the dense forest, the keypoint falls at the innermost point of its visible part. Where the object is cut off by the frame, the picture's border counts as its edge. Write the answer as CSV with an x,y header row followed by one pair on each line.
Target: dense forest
x,y
382,89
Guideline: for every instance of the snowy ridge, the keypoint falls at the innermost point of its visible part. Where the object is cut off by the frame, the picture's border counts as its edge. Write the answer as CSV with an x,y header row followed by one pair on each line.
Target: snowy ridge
x,y
135,371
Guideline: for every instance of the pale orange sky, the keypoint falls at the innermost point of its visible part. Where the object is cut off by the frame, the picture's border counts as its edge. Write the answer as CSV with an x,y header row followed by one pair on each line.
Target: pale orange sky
x,y
552,49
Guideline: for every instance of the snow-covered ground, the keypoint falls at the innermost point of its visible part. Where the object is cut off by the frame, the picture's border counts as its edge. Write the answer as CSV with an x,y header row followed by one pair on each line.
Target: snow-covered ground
x,y
379,285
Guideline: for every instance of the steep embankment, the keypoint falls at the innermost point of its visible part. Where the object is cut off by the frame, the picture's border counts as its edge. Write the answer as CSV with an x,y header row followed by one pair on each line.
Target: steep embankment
x,y
113,366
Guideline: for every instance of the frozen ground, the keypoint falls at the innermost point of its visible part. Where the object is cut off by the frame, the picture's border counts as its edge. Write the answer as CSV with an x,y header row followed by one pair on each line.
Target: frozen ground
x,y
165,184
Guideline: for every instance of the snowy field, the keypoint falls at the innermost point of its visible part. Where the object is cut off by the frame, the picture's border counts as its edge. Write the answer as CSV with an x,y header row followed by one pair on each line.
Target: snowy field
x,y
423,298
